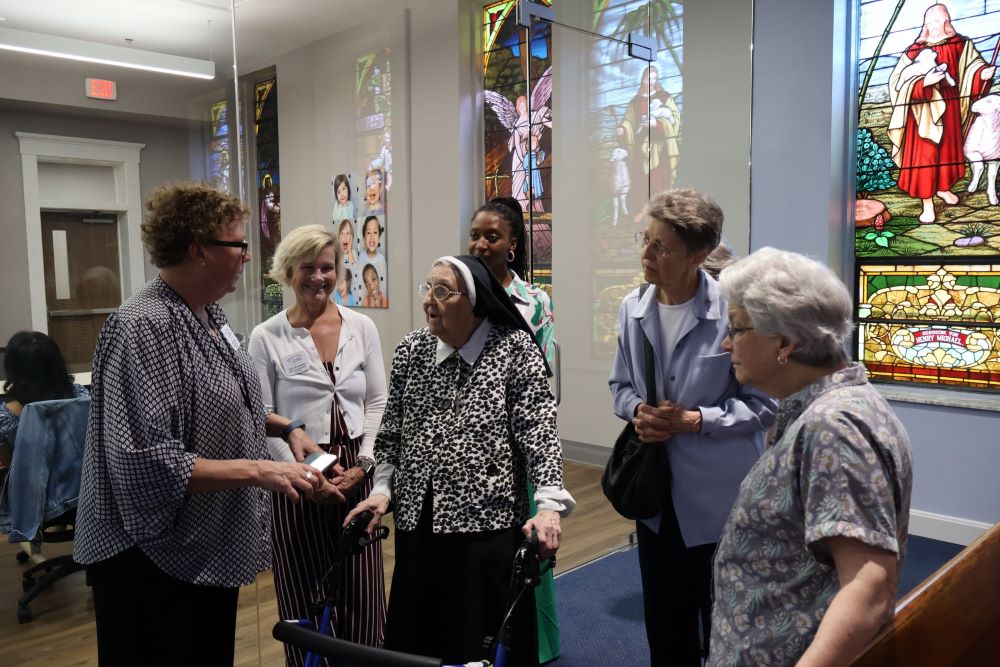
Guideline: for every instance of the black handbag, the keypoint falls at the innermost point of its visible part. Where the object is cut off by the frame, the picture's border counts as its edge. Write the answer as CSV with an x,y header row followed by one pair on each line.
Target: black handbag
x,y
637,476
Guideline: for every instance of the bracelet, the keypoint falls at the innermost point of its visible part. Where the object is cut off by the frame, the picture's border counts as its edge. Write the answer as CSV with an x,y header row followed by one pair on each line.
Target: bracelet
x,y
292,425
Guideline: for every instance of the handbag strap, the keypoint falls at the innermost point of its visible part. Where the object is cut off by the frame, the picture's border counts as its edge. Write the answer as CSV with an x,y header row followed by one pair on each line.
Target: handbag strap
x,y
650,362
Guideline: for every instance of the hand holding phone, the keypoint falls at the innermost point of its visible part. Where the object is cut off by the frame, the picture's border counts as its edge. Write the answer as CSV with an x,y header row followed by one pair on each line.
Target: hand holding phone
x,y
320,461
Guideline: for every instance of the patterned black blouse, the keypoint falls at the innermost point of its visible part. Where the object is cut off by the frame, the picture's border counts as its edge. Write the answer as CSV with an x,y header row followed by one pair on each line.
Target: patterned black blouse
x,y
469,435
166,391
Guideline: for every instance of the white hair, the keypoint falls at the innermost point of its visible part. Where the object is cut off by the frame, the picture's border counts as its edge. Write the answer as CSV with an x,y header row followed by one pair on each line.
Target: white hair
x,y
794,296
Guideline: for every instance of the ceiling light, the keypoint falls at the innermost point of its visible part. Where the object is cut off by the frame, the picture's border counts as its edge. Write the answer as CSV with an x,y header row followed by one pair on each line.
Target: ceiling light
x,y
104,54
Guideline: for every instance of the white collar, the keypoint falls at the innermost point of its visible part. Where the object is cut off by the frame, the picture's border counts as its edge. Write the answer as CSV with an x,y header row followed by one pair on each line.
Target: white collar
x,y
471,350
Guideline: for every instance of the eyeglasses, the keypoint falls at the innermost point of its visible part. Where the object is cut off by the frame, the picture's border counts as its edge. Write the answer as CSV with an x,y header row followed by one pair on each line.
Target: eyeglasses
x,y
733,332
658,248
439,292
242,245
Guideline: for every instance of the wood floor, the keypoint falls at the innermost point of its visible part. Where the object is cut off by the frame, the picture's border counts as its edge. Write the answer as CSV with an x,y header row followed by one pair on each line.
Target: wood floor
x,y
62,632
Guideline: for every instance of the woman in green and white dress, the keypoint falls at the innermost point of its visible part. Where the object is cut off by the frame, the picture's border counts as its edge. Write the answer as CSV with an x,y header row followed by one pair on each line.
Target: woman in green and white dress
x,y
497,236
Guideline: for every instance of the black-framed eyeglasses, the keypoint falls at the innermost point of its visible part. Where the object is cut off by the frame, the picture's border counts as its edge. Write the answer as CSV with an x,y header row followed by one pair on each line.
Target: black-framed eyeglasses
x,y
439,292
643,240
242,245
733,332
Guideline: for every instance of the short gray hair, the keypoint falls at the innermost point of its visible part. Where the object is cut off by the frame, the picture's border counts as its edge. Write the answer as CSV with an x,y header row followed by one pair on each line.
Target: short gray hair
x,y
693,216
302,244
794,296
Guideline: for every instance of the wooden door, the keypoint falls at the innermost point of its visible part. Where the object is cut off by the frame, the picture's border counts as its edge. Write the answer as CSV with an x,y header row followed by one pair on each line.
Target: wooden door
x,y
82,280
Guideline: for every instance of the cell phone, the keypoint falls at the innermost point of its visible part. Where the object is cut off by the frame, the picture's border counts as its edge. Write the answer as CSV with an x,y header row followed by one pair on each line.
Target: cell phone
x,y
321,461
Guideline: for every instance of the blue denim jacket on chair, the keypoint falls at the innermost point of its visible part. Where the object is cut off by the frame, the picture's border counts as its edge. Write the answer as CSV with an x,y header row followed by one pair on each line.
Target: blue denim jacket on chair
x,y
44,478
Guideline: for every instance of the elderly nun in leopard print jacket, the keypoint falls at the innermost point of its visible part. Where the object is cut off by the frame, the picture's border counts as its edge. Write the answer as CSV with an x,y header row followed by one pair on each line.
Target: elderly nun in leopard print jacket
x,y
468,419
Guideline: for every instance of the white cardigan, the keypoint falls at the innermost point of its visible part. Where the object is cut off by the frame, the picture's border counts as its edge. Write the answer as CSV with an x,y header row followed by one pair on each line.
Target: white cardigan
x,y
295,384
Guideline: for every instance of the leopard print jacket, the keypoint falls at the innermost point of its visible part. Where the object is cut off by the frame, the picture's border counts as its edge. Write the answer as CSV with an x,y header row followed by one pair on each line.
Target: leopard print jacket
x,y
473,445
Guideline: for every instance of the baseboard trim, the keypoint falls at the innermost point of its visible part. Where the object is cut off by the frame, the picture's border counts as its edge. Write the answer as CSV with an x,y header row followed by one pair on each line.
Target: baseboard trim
x,y
946,528
925,524
585,453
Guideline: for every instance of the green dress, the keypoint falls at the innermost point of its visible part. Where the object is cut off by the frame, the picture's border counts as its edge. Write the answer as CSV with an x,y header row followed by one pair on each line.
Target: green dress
x,y
535,306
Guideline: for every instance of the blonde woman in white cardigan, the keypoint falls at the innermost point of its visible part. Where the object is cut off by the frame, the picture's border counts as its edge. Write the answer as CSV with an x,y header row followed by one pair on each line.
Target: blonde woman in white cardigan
x,y
323,382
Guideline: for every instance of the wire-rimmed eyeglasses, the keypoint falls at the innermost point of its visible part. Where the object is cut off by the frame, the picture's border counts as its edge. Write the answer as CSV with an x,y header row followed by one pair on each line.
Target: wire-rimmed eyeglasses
x,y
643,240
732,332
439,292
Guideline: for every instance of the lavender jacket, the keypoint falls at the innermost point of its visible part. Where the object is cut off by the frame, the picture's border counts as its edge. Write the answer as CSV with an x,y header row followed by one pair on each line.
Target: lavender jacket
x,y
706,468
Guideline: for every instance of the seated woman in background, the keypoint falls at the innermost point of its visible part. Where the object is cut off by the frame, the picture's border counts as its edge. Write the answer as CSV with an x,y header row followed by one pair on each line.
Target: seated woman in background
x,y
496,236
35,371
807,566
469,418
323,381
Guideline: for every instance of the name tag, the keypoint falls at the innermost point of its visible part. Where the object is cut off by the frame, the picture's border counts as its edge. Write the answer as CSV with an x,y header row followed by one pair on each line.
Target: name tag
x,y
230,337
296,363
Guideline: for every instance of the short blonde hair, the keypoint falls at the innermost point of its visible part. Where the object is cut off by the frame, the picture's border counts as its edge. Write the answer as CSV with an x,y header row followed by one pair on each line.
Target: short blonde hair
x,y
302,244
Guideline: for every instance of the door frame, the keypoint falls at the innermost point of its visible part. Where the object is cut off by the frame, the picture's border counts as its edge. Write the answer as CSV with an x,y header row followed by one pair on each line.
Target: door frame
x,y
123,158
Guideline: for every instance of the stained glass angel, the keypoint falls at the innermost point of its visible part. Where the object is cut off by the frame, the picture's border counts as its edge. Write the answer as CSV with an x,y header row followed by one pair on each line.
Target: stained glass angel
x,y
514,116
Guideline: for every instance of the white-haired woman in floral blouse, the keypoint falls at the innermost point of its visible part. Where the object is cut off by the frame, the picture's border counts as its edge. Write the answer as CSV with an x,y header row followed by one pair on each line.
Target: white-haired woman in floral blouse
x,y
807,566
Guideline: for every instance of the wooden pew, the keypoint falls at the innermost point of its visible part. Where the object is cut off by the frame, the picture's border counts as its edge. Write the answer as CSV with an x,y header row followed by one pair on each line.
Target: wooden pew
x,y
951,618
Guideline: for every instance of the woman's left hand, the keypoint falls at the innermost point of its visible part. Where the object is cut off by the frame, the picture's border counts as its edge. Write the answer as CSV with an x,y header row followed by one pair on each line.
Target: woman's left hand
x,y
349,481
548,530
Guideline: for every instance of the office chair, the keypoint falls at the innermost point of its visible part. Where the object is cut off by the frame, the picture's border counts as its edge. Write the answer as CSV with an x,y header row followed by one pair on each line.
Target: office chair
x,y
43,486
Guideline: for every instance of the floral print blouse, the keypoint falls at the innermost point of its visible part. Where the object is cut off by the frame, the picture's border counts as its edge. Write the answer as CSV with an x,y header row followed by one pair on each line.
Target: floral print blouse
x,y
536,308
839,466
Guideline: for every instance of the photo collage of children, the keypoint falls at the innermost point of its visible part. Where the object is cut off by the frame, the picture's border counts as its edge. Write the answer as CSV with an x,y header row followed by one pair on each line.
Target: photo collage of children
x,y
359,220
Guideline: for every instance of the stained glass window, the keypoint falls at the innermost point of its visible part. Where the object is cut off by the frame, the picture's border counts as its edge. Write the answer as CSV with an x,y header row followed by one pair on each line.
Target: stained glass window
x,y
931,323
635,125
518,142
928,130
268,188
219,159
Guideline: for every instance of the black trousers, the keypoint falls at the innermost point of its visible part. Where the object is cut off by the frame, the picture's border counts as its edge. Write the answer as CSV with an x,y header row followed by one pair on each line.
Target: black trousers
x,y
146,617
676,593
449,591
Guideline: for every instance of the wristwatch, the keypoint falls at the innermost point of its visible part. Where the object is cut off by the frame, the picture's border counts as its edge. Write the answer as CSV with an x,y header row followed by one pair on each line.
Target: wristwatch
x,y
367,464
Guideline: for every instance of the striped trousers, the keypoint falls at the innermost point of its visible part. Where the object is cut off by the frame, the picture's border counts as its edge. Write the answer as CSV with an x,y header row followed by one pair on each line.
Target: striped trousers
x,y
305,538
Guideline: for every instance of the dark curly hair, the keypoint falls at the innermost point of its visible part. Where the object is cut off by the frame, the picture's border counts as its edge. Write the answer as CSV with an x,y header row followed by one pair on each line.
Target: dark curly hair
x,y
183,213
35,369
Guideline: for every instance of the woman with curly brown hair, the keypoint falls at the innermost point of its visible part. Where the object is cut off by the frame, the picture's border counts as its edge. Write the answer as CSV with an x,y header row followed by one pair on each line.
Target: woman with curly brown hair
x,y
176,470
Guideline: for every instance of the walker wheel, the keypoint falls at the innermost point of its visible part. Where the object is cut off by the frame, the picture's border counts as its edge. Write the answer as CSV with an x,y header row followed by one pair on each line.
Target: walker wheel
x,y
22,557
23,614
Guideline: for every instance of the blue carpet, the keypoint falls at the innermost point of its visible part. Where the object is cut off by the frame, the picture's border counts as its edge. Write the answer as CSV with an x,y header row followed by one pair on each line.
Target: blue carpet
x,y
600,604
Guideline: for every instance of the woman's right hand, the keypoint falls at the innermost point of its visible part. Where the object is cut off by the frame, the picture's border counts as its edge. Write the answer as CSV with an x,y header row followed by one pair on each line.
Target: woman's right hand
x,y
289,478
302,444
377,503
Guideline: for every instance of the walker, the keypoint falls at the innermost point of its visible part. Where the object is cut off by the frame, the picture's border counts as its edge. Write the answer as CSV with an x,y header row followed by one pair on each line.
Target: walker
x,y
527,573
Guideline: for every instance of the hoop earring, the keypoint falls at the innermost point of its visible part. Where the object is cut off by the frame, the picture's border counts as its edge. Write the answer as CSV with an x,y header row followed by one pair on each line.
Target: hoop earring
x,y
510,256
782,360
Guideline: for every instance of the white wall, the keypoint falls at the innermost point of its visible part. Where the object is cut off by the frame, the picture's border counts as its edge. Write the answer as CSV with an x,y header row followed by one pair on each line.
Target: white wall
x,y
436,120
714,157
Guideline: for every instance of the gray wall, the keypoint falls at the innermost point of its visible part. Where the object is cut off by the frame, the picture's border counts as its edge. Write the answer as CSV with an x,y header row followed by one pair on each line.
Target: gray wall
x,y
165,158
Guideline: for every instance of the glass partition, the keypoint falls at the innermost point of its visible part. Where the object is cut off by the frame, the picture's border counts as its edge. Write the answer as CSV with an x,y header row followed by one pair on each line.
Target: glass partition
x,y
584,127
102,102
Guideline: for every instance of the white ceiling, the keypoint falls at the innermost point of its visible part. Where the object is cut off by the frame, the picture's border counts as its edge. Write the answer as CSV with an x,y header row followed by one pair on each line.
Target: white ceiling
x,y
194,28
